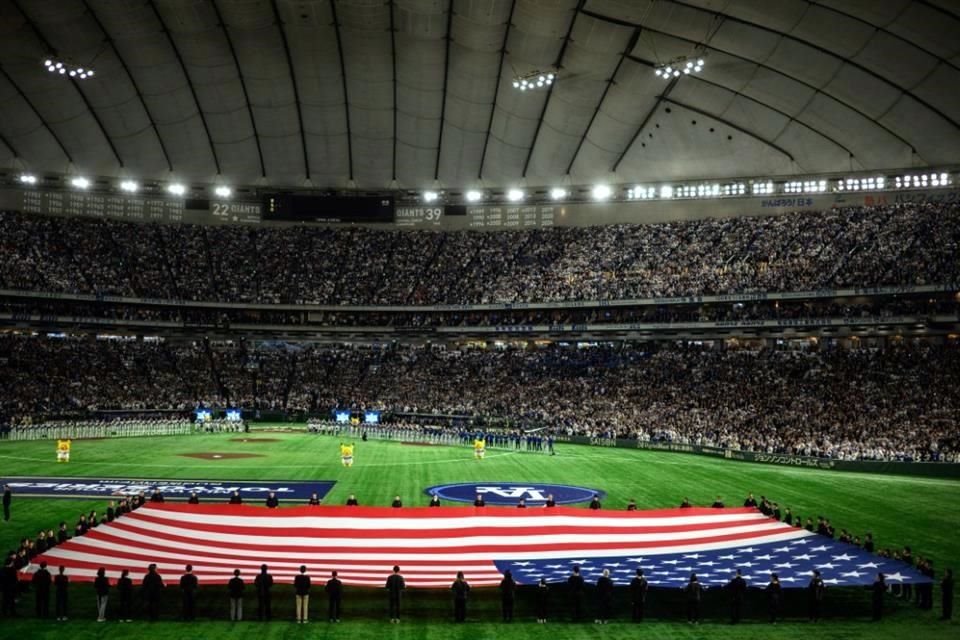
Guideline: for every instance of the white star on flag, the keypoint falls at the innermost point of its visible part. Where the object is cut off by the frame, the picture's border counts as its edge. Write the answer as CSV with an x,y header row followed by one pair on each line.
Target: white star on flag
x,y
868,565
844,557
895,576
828,565
820,548
852,574
803,557
692,555
763,557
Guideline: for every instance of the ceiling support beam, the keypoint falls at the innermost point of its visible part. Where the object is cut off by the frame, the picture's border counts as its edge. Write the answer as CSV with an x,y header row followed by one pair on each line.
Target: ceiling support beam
x,y
446,78
496,88
293,83
36,113
186,74
243,84
643,123
343,78
393,61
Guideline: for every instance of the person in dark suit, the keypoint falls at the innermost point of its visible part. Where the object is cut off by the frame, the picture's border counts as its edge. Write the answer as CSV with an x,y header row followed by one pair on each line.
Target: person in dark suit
x,y
235,498
272,500
632,505
41,582
478,501
235,590
946,595
575,587
395,586
774,592
156,496
718,503
595,502
435,501
151,587
543,601
550,503
125,593
396,504
7,499
750,501
738,589
522,504
262,584
352,501
188,592
334,589
194,498
816,590
314,500
111,511
694,591
101,586
686,504
301,588
61,585
877,589
605,597
638,595
460,588
508,588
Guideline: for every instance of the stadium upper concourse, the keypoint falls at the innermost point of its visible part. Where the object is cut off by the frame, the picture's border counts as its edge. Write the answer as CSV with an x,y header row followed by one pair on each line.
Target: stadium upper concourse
x,y
727,228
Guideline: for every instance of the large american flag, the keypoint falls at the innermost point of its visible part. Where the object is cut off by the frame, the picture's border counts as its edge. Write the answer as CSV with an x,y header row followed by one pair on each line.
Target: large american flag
x,y
431,545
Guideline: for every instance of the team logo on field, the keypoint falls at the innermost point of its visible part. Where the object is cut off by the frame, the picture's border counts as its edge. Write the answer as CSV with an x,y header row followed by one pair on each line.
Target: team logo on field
x,y
510,493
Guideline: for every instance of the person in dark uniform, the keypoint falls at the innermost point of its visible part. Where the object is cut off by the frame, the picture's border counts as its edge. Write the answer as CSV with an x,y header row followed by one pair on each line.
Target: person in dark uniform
x,y
738,589
334,589
194,498
946,595
188,591
435,501
550,503
7,498
522,504
478,501
314,500
111,511
685,504
632,505
272,500
61,585
101,586
301,589
877,589
788,516
750,501
125,593
638,595
868,542
151,587
595,502
395,586
397,503
774,592
575,587
62,534
718,503
235,589
776,514
235,498
41,588
262,584
543,601
508,588
460,588
604,597
156,496
694,591
816,590
906,589
352,501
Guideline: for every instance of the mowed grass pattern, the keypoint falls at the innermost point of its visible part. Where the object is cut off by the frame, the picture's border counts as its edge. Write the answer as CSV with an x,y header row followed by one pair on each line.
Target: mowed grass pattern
x,y
921,512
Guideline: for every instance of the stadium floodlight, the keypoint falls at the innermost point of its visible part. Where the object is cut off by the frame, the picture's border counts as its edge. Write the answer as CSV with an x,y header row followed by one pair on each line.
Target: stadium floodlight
x,y
558,193
222,191
601,192
67,68
27,178
473,195
176,189
666,192
130,186
430,196
515,195
80,182
536,79
675,67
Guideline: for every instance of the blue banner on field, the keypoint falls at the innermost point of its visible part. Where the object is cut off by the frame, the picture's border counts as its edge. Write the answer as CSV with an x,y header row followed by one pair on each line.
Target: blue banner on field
x,y
172,489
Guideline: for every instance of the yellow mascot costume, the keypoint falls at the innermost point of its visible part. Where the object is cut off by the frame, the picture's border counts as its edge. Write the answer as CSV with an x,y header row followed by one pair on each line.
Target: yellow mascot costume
x,y
63,451
346,454
479,448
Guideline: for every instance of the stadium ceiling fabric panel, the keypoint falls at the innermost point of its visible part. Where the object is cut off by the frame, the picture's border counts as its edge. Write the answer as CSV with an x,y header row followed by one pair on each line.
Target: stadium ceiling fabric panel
x,y
419,93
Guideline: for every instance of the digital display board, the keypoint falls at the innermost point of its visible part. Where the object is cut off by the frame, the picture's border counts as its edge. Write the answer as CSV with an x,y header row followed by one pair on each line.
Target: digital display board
x,y
341,415
201,414
288,207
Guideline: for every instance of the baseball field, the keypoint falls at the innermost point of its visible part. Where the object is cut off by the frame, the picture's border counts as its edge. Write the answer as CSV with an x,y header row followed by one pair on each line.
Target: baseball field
x,y
923,513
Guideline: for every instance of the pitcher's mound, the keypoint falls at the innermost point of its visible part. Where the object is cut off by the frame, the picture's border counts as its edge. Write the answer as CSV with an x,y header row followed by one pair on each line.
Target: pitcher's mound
x,y
212,455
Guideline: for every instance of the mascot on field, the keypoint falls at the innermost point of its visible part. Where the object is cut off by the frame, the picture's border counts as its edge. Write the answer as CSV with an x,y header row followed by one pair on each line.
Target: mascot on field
x,y
346,454
479,448
63,451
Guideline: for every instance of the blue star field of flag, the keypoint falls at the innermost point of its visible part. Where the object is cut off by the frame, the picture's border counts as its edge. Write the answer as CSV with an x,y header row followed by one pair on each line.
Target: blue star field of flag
x,y
840,564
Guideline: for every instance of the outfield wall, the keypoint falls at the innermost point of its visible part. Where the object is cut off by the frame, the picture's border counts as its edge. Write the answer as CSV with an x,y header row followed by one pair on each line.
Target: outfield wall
x,y
924,469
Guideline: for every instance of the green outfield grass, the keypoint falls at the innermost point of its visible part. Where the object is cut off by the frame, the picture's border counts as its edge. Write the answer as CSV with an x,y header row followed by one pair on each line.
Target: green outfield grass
x,y
921,512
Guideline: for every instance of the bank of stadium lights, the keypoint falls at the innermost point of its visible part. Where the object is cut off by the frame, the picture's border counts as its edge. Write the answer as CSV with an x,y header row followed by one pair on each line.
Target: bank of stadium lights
x,y
80,183
558,193
473,196
601,192
805,186
534,80
515,195
861,184
129,186
62,68
27,178
222,191
922,180
680,66
176,189
641,193
666,192
761,188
